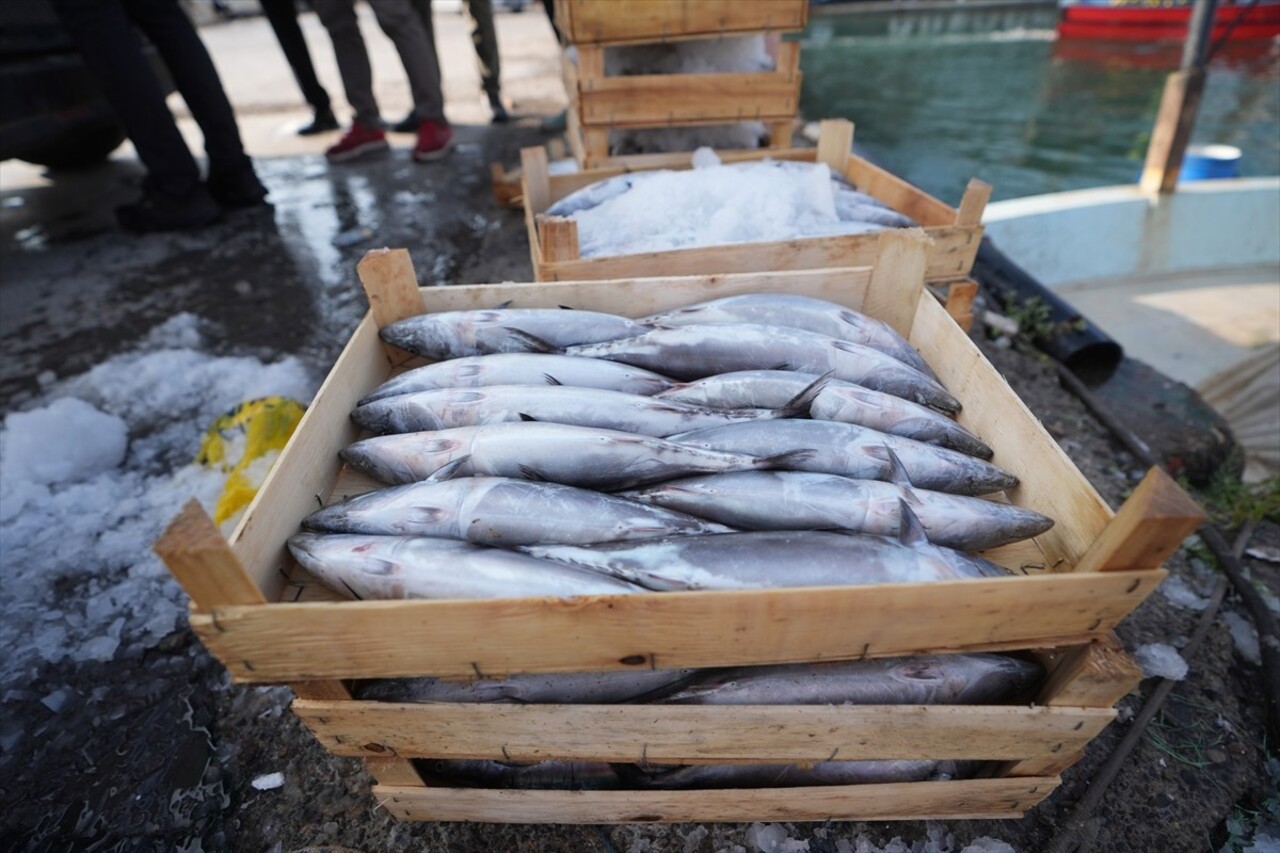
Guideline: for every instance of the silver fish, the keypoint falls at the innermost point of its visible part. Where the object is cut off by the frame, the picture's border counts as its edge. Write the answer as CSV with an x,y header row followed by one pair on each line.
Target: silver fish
x,y
836,401
502,512
548,775
962,679
696,351
788,775
523,369
858,452
797,312
796,500
596,194
454,334
394,567
783,558
446,408
557,453
557,688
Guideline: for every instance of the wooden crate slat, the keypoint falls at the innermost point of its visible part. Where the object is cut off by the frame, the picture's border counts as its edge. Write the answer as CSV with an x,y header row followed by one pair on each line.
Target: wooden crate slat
x,y
493,637
683,734
626,21
657,100
969,798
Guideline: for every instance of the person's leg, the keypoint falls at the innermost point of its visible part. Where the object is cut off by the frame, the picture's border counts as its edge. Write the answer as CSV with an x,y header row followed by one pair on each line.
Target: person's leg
x,y
403,26
339,19
283,17
231,176
485,40
409,124
173,196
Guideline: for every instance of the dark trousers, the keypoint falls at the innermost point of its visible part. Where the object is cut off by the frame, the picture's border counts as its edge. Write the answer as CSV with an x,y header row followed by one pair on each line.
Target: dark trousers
x,y
283,17
103,30
484,38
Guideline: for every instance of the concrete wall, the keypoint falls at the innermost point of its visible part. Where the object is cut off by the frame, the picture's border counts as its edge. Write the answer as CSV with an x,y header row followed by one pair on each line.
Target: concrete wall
x,y
1118,231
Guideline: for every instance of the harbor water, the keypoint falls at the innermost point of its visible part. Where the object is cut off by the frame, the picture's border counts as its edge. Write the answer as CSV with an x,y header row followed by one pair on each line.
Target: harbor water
x,y
939,97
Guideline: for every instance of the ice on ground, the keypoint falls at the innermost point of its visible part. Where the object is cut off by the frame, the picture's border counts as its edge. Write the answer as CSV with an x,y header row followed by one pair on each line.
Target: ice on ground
x,y
1160,660
986,844
774,838
80,581
1180,593
1245,636
268,782
65,441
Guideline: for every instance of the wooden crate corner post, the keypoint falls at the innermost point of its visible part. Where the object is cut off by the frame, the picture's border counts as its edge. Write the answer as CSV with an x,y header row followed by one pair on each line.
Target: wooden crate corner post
x,y
558,237
835,144
391,285
1149,527
973,203
897,278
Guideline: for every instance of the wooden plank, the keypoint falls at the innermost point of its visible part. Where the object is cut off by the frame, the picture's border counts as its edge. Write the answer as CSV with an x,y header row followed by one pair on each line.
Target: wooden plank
x,y
835,143
968,798
199,558
973,203
307,468
1149,527
535,179
658,100
897,278
1175,121
959,304
1049,482
951,256
558,237
627,21
900,195
391,286
685,734
377,639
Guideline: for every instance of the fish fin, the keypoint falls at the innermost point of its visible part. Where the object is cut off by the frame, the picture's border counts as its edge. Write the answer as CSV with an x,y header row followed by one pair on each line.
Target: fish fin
x,y
527,418
551,380
531,473
566,308
800,403
357,596
449,470
533,343
897,471
910,531
505,304
784,460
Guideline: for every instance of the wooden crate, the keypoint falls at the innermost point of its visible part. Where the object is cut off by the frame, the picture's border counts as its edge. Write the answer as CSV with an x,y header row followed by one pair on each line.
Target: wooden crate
x,y
553,241
268,621
586,22
599,103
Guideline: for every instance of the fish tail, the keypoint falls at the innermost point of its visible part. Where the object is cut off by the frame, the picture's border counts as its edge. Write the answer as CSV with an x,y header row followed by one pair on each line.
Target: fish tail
x,y
784,461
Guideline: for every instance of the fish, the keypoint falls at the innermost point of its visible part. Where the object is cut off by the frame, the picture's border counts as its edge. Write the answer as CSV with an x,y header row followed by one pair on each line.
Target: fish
x,y
446,408
797,312
613,687
396,567
523,369
799,500
855,451
866,772
772,559
586,457
547,775
836,401
697,351
455,334
500,511
959,679
596,194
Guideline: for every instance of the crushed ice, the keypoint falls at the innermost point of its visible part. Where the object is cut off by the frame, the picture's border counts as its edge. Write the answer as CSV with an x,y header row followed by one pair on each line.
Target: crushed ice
x,y
1160,660
89,476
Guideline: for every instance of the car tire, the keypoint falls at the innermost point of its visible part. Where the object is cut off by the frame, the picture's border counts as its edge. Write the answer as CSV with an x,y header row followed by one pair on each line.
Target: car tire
x,y
83,150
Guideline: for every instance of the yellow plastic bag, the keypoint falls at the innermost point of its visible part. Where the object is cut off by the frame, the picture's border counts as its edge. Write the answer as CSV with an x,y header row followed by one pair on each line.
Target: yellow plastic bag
x,y
244,443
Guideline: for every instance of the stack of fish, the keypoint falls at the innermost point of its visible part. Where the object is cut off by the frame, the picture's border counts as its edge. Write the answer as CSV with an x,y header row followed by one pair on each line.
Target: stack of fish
x,y
763,440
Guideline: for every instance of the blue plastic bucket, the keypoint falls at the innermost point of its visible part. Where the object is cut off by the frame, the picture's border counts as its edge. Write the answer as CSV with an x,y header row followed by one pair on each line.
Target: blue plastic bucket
x,y
1205,162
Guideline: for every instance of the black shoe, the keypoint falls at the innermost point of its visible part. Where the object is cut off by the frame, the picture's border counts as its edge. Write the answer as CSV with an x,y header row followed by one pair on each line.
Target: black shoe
x,y
157,211
500,114
408,124
324,121
236,189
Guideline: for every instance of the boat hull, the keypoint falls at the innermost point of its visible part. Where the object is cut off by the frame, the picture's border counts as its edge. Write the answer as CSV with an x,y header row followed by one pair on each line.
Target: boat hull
x,y
1160,23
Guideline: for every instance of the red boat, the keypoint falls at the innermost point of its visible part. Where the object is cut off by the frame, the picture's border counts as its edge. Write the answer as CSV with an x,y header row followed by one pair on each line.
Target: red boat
x,y
1138,21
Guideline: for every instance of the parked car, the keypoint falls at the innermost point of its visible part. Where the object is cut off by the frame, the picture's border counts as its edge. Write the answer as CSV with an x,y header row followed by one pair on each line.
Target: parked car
x,y
51,110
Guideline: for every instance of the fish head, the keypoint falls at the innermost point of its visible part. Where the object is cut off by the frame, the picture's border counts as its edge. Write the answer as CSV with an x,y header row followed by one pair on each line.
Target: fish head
x,y
376,416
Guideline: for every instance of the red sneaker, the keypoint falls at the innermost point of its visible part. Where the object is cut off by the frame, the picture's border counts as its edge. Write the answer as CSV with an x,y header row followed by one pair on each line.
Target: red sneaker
x,y
434,141
357,142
